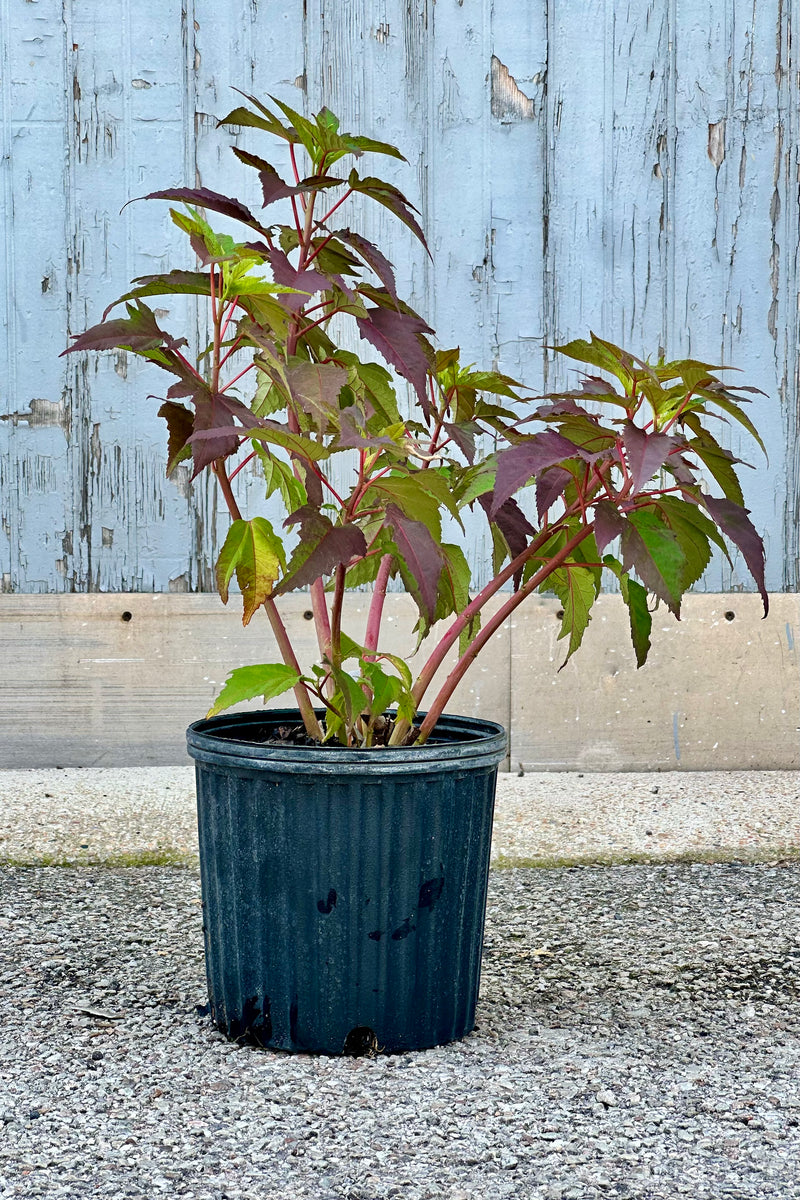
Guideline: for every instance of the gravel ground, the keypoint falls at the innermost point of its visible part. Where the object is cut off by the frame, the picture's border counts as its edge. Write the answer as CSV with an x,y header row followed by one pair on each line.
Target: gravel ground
x,y
148,815
639,1037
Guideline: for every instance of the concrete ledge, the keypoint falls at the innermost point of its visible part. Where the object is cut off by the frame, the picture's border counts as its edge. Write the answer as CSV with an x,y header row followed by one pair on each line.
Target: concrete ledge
x,y
113,680
146,816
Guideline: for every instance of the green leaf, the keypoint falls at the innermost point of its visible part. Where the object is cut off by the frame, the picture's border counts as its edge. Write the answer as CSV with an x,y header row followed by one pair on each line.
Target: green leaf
x,y
413,501
279,477
654,552
716,459
605,355
254,551
245,683
576,587
640,619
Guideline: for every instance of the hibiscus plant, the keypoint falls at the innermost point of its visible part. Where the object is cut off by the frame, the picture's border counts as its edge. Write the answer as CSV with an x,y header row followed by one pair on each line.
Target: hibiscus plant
x,y
620,469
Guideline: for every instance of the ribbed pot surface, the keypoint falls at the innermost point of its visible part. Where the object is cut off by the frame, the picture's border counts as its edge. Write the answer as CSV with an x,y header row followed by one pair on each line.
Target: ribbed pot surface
x,y
344,891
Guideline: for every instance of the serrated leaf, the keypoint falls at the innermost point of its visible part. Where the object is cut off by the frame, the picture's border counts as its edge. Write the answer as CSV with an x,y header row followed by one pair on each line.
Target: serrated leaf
x,y
654,552
138,332
254,551
414,502
519,464
512,526
421,557
608,524
397,338
279,477
194,283
307,281
315,388
228,206
373,257
735,523
599,353
390,197
716,459
180,425
646,453
267,680
551,485
576,587
639,617
322,548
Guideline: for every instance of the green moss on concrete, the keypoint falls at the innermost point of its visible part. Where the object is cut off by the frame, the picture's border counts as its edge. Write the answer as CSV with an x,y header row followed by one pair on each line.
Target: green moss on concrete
x,y
165,857
551,862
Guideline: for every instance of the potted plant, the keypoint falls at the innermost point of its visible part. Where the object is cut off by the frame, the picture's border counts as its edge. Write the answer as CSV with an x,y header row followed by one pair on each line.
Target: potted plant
x,y
345,842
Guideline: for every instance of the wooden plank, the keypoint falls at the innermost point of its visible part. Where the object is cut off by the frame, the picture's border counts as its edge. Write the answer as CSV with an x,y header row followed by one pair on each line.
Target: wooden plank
x,y
730,126
629,169
95,680
718,692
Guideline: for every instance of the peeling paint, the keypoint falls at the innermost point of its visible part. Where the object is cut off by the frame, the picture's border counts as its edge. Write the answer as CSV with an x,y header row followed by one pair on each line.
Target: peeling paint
x,y
716,143
509,102
42,413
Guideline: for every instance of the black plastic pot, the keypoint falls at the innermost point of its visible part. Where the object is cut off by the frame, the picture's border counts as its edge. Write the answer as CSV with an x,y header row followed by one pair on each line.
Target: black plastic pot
x,y
344,891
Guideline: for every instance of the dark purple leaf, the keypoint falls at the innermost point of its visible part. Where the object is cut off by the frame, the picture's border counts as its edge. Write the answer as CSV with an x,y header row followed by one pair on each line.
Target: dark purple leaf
x,y
213,435
205,198
396,336
353,434
272,186
420,555
549,486
323,547
306,281
608,524
512,524
464,437
593,385
646,453
522,462
138,331
390,197
180,426
735,523
372,257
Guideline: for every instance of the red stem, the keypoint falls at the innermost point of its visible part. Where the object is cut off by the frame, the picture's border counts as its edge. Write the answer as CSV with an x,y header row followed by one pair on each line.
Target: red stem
x,y
490,628
376,605
231,382
310,721
243,463
331,211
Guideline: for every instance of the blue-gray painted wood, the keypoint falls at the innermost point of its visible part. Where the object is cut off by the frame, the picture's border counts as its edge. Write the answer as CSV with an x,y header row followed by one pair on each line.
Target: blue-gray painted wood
x,y
632,170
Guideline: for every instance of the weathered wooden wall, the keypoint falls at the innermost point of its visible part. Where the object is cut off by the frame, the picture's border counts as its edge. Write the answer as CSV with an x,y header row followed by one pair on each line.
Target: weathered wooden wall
x,y
633,169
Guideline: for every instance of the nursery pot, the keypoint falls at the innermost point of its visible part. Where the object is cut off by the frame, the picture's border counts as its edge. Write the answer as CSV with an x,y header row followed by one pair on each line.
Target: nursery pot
x,y
344,891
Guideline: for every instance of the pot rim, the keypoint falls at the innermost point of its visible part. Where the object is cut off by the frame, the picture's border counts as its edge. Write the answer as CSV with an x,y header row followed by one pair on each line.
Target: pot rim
x,y
472,741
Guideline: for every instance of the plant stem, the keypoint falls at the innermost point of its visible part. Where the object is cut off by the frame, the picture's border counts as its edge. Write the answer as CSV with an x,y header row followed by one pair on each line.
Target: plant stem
x,y
322,624
490,628
376,605
336,615
288,655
